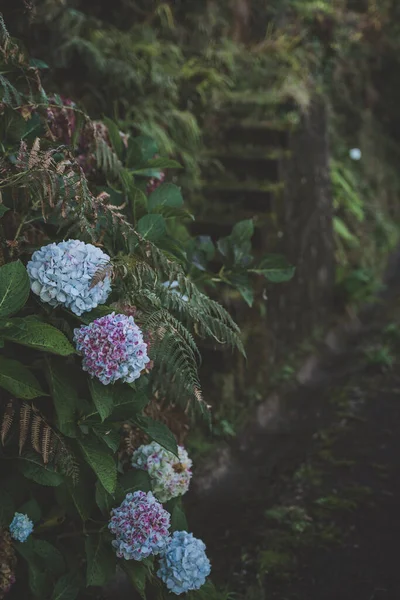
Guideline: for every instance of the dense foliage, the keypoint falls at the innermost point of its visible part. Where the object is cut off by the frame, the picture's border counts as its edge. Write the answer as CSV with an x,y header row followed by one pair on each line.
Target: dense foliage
x,y
99,315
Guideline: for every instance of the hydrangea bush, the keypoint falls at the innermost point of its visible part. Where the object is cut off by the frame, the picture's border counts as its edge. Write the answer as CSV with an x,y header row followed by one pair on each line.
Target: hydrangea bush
x,y
83,263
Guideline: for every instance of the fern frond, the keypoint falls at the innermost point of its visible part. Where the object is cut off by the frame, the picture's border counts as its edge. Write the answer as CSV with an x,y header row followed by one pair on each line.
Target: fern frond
x,y
7,420
36,433
46,443
24,422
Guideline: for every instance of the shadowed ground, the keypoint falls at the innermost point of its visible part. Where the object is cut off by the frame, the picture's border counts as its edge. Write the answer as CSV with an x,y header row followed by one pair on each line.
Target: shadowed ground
x,y
312,511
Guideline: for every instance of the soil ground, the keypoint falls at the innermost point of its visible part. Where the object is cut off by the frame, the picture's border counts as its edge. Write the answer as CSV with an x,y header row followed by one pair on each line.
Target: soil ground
x,y
312,512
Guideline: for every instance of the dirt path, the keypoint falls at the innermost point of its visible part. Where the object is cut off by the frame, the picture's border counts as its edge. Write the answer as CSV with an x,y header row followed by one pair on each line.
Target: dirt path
x,y
313,512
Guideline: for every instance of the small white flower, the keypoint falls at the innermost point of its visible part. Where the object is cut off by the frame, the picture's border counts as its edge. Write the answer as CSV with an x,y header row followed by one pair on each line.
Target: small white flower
x,y
355,154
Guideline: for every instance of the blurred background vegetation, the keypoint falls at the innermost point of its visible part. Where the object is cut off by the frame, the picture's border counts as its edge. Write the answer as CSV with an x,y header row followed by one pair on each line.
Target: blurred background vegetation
x,y
223,86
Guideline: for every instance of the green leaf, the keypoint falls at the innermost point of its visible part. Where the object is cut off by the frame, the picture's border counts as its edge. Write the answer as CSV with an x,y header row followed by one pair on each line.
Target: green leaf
x,y
104,500
127,402
152,227
64,395
178,519
3,210
14,288
167,194
32,509
109,436
275,268
30,332
242,231
95,313
38,581
67,588
82,496
101,462
134,480
7,508
38,472
344,232
158,432
115,137
49,556
159,164
140,149
37,63
100,561
18,380
103,397
137,573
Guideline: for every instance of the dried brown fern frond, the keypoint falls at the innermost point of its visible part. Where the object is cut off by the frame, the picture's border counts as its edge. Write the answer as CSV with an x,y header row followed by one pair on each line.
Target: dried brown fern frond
x,y
7,420
31,424
24,423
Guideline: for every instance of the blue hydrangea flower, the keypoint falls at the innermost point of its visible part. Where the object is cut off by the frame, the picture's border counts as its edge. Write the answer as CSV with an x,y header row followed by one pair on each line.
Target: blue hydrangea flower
x,y
184,565
21,527
170,475
112,348
172,286
62,274
140,526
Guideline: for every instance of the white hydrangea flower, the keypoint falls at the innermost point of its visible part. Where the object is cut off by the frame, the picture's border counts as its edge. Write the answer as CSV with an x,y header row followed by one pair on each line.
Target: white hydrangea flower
x,y
170,476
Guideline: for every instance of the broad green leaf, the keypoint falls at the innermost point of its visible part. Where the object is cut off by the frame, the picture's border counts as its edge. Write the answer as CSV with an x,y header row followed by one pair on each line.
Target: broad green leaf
x,y
173,212
38,580
32,509
115,136
3,210
101,462
140,149
242,231
127,402
7,508
64,395
158,432
104,500
82,496
275,268
100,561
158,163
178,519
14,288
18,380
167,194
152,227
33,469
137,573
103,397
67,588
108,435
35,334
134,480
50,558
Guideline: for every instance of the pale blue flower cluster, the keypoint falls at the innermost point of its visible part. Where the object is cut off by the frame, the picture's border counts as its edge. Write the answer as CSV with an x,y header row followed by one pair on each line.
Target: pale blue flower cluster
x,y
140,525
184,564
172,286
21,527
62,274
112,348
170,475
